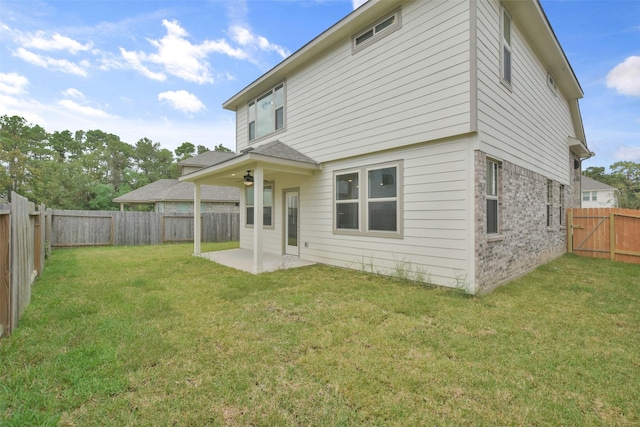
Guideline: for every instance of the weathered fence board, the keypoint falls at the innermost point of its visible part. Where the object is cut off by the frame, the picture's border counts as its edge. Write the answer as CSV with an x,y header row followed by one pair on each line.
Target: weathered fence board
x,y
5,265
21,258
610,233
116,228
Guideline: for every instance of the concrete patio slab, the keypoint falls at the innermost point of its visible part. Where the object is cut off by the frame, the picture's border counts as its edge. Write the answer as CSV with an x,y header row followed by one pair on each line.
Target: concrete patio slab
x,y
242,259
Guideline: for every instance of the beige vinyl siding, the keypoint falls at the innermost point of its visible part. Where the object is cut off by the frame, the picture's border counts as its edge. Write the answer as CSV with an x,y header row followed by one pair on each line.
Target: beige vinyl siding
x,y
529,125
408,87
435,215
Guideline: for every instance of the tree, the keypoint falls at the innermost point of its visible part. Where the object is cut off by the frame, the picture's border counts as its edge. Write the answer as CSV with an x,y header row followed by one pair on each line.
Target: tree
x,y
23,147
222,148
185,150
625,176
151,161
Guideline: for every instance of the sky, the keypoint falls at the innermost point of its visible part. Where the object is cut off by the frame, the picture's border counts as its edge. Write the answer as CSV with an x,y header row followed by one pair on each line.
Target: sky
x,y
161,69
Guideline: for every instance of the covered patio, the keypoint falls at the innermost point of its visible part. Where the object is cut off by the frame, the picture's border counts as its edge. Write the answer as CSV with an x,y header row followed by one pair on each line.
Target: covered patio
x,y
260,164
242,259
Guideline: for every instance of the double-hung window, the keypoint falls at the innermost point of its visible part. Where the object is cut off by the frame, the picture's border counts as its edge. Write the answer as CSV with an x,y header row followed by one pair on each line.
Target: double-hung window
x,y
549,202
505,47
367,201
492,196
348,201
266,114
267,202
561,215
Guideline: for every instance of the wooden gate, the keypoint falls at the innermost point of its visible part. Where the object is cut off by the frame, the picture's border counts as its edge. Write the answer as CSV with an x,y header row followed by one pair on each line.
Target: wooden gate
x,y
611,233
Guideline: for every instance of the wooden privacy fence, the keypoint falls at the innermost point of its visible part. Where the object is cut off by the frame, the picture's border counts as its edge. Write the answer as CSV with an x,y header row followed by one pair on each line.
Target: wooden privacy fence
x,y
23,234
611,233
116,228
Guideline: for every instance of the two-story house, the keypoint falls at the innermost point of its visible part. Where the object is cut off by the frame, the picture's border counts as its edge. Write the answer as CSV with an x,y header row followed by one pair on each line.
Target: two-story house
x,y
439,137
596,194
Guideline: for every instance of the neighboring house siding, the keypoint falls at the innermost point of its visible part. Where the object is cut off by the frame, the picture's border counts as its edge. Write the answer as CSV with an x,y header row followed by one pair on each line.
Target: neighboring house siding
x,y
182,207
411,86
529,125
603,199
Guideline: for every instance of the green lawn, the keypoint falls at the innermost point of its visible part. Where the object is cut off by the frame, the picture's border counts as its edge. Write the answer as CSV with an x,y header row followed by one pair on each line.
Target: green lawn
x,y
153,336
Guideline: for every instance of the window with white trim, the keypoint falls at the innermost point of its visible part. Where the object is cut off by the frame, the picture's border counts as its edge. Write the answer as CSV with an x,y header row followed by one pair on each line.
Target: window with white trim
x,y
505,47
381,28
493,196
267,203
266,114
561,213
549,202
368,201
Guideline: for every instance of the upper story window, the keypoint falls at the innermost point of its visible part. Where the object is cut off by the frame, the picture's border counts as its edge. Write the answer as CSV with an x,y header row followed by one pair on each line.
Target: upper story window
x,y
381,28
505,47
266,114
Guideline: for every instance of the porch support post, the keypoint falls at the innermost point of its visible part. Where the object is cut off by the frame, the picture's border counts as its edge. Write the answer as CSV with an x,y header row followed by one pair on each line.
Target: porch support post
x,y
197,220
258,209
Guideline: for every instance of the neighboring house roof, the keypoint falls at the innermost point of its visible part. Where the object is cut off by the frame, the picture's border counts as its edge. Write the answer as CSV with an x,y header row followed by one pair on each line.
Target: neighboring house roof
x,y
589,184
171,190
206,159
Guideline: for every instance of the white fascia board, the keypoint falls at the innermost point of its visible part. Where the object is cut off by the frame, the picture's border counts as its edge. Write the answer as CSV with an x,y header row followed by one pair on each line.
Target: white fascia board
x,y
250,161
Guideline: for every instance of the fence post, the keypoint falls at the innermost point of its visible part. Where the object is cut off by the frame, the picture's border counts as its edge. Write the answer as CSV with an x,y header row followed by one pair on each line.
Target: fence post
x,y
612,236
570,231
5,274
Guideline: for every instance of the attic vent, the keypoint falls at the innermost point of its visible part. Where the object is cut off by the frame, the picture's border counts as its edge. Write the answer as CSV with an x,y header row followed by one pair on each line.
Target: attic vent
x,y
381,28
551,82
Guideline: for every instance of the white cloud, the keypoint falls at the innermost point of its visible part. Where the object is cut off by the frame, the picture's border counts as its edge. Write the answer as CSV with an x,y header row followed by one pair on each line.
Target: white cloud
x,y
73,93
56,42
182,100
357,3
52,64
179,57
625,77
27,109
82,109
242,35
630,153
13,83
134,59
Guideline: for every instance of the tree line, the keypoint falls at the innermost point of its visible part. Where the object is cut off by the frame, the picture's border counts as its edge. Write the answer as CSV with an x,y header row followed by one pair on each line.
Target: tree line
x,y
88,169
81,170
625,176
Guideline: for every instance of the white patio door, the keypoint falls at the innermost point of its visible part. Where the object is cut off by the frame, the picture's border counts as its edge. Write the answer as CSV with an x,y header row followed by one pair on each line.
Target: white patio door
x,y
292,223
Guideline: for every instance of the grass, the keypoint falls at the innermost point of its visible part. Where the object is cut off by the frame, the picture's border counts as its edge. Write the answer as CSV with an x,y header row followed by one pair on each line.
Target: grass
x,y
153,336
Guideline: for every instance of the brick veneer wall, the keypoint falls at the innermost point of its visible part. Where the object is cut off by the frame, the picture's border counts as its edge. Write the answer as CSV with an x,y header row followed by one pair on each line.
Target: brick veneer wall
x,y
524,241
